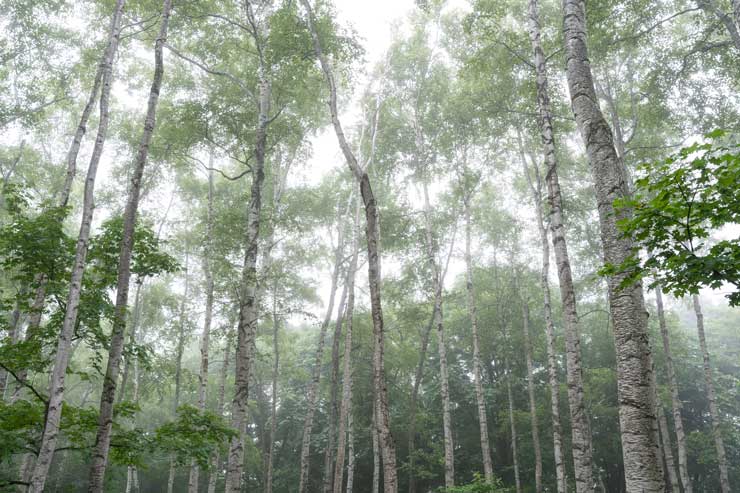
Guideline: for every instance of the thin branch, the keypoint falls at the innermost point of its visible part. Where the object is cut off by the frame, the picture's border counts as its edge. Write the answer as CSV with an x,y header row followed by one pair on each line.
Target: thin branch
x,y
212,71
25,383
209,168
653,27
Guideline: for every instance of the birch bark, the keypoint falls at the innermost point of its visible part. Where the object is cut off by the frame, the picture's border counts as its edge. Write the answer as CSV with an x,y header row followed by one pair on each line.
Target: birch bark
x,y
248,306
719,445
532,401
387,446
105,423
512,429
677,405
636,406
56,382
477,367
552,364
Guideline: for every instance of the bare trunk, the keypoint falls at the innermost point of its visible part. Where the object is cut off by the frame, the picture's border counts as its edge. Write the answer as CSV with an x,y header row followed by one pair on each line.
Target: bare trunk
x,y
312,393
346,410
532,402
248,306
216,462
414,400
273,406
387,446
677,405
441,345
350,440
512,428
132,476
333,386
552,364
180,349
719,445
132,339
667,449
56,382
477,367
582,446
206,337
105,423
376,454
627,307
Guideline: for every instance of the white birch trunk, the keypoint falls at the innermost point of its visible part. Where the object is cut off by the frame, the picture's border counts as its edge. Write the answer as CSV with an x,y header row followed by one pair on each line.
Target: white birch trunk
x,y
634,366
719,445
56,381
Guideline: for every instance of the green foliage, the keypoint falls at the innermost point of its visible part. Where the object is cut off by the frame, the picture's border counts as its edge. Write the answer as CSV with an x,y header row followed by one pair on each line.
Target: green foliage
x,y
678,204
478,485
195,434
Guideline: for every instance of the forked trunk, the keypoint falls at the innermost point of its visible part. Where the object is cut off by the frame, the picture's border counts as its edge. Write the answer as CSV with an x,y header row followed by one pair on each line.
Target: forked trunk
x,y
627,307
61,360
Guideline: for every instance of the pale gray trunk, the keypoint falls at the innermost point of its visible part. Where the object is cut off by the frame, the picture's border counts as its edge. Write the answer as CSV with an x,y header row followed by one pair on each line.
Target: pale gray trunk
x,y
333,386
179,350
532,402
477,366
434,267
273,404
635,393
216,461
248,306
582,447
105,422
206,337
350,440
387,445
552,364
719,445
346,410
313,386
56,381
131,339
512,430
376,454
414,399
677,405
667,448
132,472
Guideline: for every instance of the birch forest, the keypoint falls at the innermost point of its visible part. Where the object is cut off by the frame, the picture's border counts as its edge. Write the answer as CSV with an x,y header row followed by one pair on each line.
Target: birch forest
x,y
337,246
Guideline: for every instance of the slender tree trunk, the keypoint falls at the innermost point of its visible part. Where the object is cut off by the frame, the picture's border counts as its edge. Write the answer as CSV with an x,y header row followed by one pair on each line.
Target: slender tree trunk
x,y
414,400
387,445
313,387
131,338
376,453
132,476
532,401
627,307
14,318
248,306
719,445
449,461
105,423
512,428
333,386
56,382
581,430
346,410
667,449
552,364
350,439
273,404
206,337
213,476
477,367
677,405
